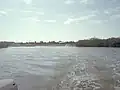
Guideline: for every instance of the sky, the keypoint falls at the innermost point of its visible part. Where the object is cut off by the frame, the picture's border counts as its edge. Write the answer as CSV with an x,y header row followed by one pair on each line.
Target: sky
x,y
65,20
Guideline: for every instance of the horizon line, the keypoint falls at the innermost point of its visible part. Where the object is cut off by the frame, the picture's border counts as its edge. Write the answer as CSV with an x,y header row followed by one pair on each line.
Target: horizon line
x,y
55,40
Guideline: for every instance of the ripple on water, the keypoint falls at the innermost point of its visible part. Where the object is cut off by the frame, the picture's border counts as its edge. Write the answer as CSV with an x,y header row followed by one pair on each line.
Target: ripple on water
x,y
21,62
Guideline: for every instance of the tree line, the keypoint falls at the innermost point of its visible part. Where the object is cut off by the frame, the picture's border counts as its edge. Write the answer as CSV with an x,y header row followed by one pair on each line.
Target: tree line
x,y
96,42
92,42
3,45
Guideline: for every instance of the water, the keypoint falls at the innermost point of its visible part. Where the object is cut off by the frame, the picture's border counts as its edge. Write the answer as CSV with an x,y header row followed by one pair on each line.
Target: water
x,y
39,67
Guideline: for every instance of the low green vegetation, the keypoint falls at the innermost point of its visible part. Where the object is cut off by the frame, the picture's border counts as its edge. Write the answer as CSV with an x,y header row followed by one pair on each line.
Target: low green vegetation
x,y
92,42
96,42
3,45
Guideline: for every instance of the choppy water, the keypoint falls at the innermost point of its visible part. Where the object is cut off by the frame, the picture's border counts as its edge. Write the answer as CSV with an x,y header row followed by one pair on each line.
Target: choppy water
x,y
35,67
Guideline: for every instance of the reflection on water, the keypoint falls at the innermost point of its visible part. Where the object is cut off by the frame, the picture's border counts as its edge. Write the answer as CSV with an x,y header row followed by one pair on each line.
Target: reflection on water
x,y
36,67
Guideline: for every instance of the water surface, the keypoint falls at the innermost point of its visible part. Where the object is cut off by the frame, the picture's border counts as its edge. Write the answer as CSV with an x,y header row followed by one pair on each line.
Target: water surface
x,y
36,67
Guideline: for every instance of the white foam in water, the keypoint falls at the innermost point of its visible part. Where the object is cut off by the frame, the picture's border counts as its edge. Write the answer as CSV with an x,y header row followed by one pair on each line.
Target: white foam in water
x,y
42,62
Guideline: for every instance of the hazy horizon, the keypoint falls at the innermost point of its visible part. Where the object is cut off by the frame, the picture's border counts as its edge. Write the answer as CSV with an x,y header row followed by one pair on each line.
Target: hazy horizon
x,y
18,41
58,20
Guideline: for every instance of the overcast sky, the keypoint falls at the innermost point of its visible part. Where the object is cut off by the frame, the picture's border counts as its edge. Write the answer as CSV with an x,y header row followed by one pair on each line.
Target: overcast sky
x,y
30,20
